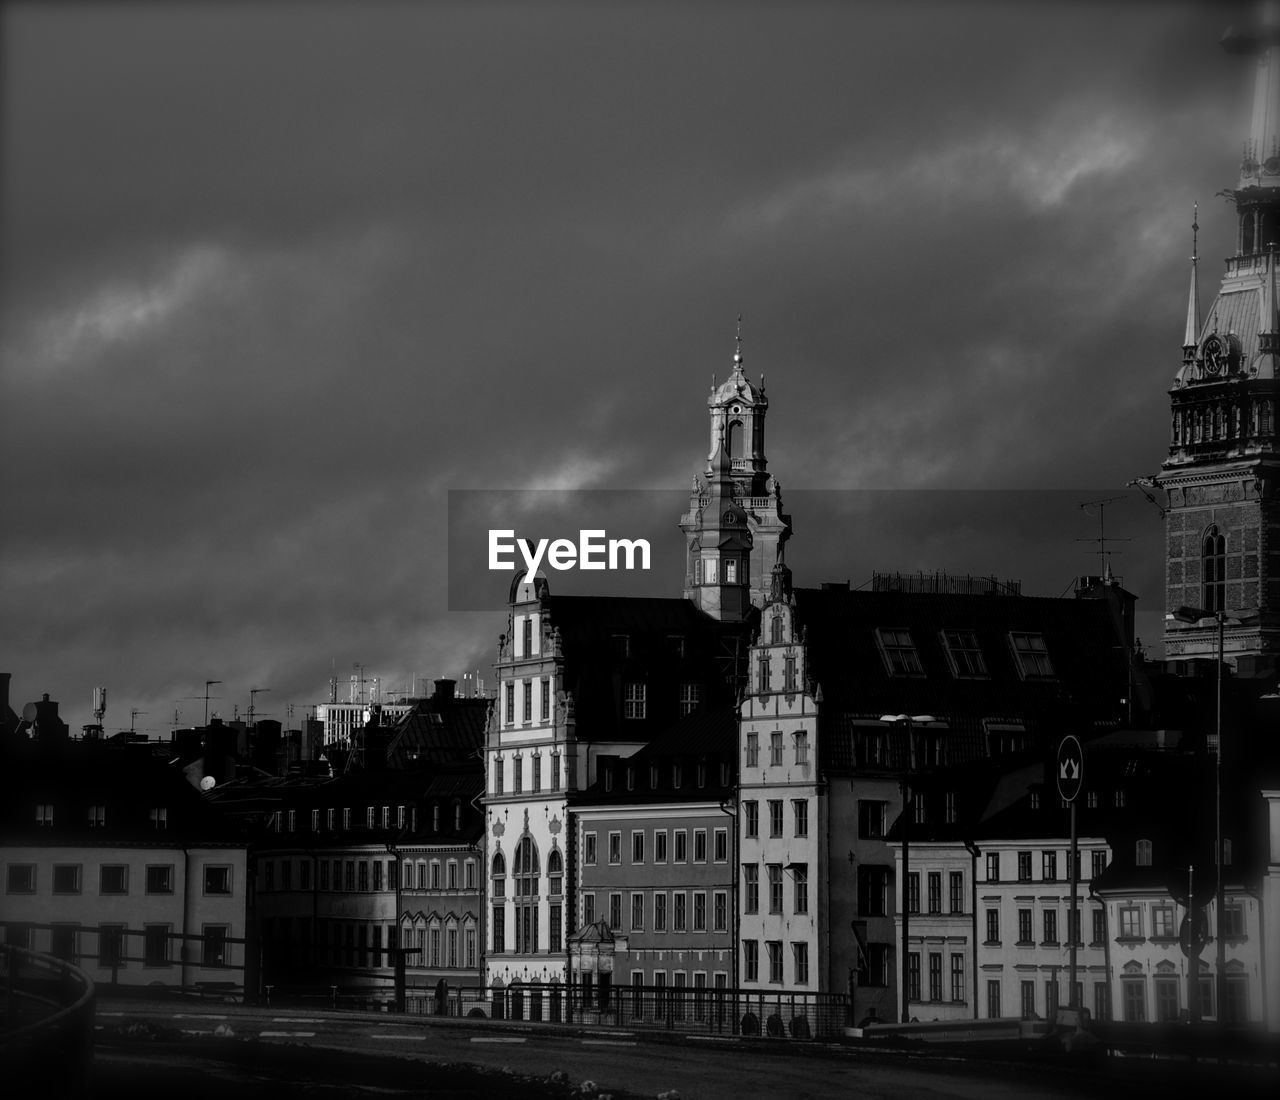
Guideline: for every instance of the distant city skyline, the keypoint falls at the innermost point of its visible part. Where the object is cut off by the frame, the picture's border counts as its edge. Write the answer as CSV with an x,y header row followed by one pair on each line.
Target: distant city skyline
x,y
276,278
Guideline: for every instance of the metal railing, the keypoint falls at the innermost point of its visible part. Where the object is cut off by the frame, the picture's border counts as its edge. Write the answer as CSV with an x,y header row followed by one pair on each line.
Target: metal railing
x,y
46,1045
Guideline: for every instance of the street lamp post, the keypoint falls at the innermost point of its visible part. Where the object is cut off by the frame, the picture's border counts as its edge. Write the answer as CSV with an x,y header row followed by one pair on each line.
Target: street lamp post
x,y
1195,615
908,722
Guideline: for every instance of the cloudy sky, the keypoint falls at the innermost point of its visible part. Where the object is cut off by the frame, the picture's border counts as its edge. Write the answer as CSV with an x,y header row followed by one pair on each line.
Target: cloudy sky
x,y
276,277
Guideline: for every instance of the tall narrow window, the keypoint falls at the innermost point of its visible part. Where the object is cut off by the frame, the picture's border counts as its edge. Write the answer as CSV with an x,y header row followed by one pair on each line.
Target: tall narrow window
x,y
525,874
1214,569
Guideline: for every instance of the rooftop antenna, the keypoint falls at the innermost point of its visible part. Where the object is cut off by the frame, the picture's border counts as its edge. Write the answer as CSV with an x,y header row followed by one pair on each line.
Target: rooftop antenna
x,y
1102,538
133,718
99,704
253,693
207,685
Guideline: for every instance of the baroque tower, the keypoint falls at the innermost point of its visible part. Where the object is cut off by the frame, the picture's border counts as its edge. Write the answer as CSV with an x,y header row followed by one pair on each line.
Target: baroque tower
x,y
1222,473
735,528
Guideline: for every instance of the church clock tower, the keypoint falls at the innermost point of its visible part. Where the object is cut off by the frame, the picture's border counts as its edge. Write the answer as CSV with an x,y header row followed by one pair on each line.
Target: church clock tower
x,y
1222,474
735,527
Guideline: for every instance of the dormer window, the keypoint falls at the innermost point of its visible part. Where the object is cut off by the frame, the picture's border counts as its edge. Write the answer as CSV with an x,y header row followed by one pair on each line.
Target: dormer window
x,y
1031,655
159,817
1142,855
690,697
899,652
631,777
97,816
964,654
677,775
653,777
701,774
633,700
621,645
608,778
44,814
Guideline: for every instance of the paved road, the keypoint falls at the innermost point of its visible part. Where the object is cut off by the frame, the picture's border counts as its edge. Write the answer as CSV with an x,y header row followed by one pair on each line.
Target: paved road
x,y
620,1062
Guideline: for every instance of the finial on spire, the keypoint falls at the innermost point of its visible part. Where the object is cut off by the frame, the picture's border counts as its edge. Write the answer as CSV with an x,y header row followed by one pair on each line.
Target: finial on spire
x,y
1192,335
737,349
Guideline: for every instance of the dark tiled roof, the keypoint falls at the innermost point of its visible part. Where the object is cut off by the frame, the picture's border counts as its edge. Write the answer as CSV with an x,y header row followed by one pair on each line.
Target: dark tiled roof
x,y
840,626
438,732
714,657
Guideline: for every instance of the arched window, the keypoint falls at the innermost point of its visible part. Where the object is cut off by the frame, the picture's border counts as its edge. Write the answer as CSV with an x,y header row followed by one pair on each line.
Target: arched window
x,y
525,873
1219,423
499,876
775,630
1213,560
735,439
555,872
1143,854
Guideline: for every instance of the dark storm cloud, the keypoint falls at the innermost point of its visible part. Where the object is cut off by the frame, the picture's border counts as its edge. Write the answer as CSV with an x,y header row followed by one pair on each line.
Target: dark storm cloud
x,y
276,277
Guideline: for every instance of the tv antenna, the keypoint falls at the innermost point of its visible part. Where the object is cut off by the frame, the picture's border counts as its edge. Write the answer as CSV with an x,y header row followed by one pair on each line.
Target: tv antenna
x,y
1102,537
207,685
133,717
253,693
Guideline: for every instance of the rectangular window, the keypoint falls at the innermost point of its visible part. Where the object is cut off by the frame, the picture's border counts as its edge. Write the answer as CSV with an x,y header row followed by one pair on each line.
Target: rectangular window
x,y
114,879
766,673
517,774
1050,926
753,750
871,818
1031,655
637,912
775,960
1099,926
364,875
304,874
497,771
935,891
1102,1002
510,701
1024,866
1134,995
213,947
526,636
690,697
1027,992
993,1000
682,846
801,873
637,846
899,652
722,845
555,771
1162,922
659,845
20,878
700,846
775,887
913,976
589,849
615,848
217,880
873,891
44,814
963,653
1130,923
159,817
633,700
956,891
544,714
720,911
659,912
527,693
1098,863
935,975
775,817
1025,934
993,926
750,960
800,813
1049,866
499,925
751,888
789,684
97,816
588,909
678,912
1233,920
1166,999
913,892
751,818
615,912
699,911
775,748
957,977
155,945
66,878
993,866
800,957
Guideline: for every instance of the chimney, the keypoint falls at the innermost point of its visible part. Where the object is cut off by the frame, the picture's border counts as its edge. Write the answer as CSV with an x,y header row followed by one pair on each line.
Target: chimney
x,y
444,691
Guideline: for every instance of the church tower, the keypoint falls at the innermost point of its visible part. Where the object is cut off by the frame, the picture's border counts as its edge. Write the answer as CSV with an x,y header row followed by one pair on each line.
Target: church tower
x,y
735,527
1222,474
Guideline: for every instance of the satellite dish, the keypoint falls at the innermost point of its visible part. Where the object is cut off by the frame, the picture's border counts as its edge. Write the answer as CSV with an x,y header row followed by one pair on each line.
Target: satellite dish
x,y
208,783
29,712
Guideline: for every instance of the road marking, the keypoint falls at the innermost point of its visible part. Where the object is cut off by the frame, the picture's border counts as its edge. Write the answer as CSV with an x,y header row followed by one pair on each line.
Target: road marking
x,y
287,1034
295,1020
195,1016
712,1038
479,1039
383,1035
608,1042
110,1013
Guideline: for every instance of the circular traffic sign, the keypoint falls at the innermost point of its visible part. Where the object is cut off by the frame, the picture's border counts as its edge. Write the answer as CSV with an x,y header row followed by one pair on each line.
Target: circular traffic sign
x,y
1070,768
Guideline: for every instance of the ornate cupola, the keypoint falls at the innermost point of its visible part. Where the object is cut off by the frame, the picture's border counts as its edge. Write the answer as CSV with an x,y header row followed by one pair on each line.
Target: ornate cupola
x,y
735,526
1222,472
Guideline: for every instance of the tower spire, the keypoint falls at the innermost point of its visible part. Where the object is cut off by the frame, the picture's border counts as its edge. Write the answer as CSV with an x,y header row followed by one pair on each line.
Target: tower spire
x,y
1263,146
737,348
1269,328
1192,336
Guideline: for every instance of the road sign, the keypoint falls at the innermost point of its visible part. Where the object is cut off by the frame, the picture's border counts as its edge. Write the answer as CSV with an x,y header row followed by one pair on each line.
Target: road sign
x,y
1070,768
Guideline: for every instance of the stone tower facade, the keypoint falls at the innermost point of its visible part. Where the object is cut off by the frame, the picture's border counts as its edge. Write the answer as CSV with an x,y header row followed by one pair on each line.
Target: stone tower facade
x,y
735,528
1222,473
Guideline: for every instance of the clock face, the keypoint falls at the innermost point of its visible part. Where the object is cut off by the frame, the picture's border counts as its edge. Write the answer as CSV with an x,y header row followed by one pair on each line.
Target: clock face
x,y
1215,356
